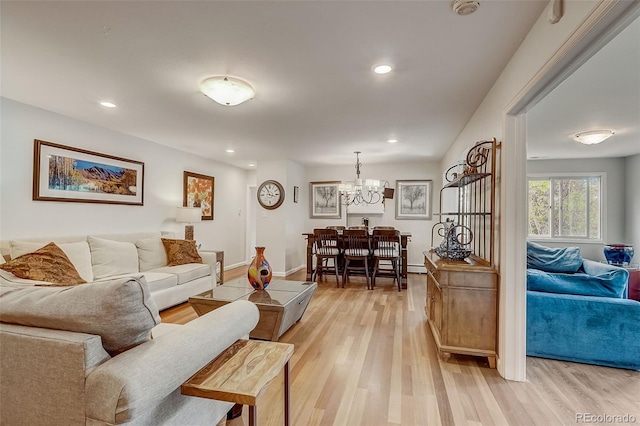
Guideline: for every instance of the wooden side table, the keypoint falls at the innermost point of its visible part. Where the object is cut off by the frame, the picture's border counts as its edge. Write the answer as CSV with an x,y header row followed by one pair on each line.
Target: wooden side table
x,y
241,373
219,260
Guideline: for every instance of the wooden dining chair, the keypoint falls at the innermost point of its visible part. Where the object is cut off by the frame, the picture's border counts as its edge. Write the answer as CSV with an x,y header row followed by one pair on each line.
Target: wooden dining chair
x,y
337,228
386,247
356,249
383,227
358,227
327,247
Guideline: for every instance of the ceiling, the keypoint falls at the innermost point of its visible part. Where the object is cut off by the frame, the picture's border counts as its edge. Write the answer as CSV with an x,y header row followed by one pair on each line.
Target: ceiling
x,y
604,93
317,99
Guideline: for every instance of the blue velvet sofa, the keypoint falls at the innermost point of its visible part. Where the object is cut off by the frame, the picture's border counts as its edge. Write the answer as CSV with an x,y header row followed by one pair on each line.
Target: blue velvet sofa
x,y
577,310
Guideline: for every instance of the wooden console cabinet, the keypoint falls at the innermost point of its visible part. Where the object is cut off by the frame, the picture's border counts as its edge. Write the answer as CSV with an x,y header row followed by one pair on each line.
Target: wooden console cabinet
x,y
462,295
461,307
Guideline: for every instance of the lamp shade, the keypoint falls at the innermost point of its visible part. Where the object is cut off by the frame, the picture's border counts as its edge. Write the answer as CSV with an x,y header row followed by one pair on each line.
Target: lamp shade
x,y
188,214
227,91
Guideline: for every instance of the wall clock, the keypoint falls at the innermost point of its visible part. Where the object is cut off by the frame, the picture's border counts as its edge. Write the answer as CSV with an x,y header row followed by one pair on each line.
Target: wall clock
x,y
270,194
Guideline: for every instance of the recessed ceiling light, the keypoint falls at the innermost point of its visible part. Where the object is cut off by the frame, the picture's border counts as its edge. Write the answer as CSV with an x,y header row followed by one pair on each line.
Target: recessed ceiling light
x,y
593,137
230,151
251,165
392,140
107,104
382,69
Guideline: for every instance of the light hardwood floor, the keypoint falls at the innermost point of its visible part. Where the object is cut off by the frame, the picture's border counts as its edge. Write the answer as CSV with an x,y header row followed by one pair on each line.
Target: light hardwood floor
x,y
368,358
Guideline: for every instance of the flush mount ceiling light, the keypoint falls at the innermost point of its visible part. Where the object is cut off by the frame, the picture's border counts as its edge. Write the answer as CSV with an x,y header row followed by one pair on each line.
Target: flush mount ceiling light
x,y
593,137
228,91
108,104
382,69
465,7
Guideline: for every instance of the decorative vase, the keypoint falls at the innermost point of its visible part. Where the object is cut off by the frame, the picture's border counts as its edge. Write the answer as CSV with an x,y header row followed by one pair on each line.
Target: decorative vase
x,y
259,273
451,248
618,254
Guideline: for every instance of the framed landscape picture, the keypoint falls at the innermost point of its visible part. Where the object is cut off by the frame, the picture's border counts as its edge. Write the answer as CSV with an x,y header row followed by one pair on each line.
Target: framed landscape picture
x,y
199,192
63,173
324,200
413,199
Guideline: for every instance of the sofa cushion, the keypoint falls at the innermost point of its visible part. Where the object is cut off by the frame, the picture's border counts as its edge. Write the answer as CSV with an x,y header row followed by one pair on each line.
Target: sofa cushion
x,y
567,259
181,252
155,280
110,258
77,252
121,311
48,263
609,284
186,273
151,254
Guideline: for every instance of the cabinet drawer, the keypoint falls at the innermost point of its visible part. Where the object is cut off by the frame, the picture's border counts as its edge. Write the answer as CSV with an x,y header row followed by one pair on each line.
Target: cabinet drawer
x,y
486,280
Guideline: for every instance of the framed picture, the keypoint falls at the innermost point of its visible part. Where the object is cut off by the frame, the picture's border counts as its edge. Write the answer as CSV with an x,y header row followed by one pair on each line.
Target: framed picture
x,y
296,189
63,173
413,199
199,192
324,200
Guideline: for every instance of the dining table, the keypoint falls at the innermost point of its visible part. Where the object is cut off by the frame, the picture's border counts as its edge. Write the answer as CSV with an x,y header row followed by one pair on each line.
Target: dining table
x,y
405,237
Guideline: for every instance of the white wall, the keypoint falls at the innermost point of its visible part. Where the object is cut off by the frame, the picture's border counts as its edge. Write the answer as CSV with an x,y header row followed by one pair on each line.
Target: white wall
x,y
632,217
420,229
488,121
614,198
163,181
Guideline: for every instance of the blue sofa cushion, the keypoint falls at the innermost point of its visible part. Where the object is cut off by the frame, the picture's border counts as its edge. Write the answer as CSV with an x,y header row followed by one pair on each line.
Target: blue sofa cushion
x,y
567,259
593,330
608,283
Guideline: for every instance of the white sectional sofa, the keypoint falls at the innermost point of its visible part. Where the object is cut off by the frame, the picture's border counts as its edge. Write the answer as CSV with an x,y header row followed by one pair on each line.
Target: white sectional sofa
x,y
107,256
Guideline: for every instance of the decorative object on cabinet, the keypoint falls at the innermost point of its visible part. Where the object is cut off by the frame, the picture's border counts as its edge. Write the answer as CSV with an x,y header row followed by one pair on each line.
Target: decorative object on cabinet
x,y
324,201
198,191
414,199
270,194
453,245
63,173
462,281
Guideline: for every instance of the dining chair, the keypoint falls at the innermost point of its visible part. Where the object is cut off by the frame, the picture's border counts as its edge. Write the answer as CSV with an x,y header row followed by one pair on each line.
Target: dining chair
x,y
337,228
383,227
327,246
358,227
356,249
386,247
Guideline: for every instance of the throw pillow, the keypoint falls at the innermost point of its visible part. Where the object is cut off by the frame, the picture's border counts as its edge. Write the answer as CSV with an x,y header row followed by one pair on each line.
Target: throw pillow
x,y
565,260
120,311
77,252
181,252
151,254
110,258
48,263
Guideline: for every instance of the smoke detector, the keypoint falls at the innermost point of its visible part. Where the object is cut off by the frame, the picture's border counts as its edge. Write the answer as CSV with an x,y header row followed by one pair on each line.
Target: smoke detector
x,y
465,7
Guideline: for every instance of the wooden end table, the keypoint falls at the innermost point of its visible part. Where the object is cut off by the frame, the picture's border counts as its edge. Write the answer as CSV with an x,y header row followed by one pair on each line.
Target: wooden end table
x,y
241,373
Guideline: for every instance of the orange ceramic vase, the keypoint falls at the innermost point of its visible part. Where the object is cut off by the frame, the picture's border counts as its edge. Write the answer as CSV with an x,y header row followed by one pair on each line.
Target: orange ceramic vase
x,y
259,271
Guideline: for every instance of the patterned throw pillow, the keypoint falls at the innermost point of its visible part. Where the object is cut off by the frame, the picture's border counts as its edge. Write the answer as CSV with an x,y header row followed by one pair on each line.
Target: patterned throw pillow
x,y
181,252
48,263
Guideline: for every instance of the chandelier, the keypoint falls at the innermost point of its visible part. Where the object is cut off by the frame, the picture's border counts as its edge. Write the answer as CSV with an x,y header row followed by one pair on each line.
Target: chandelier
x,y
367,191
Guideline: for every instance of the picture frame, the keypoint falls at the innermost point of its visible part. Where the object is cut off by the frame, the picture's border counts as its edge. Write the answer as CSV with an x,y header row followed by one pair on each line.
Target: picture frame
x,y
199,191
69,174
324,200
296,190
413,199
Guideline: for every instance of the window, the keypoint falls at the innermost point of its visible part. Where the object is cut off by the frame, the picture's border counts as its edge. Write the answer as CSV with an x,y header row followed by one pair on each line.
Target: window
x,y
565,207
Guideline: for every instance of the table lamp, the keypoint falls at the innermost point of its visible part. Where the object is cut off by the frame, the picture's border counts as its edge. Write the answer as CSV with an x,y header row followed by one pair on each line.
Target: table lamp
x,y
188,215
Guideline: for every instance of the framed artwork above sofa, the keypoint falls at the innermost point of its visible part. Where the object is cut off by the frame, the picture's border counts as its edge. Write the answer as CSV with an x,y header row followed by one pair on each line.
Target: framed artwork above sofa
x,y
64,173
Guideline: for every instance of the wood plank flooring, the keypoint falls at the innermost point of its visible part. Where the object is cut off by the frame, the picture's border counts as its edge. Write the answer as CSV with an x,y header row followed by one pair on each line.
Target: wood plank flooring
x,y
368,358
